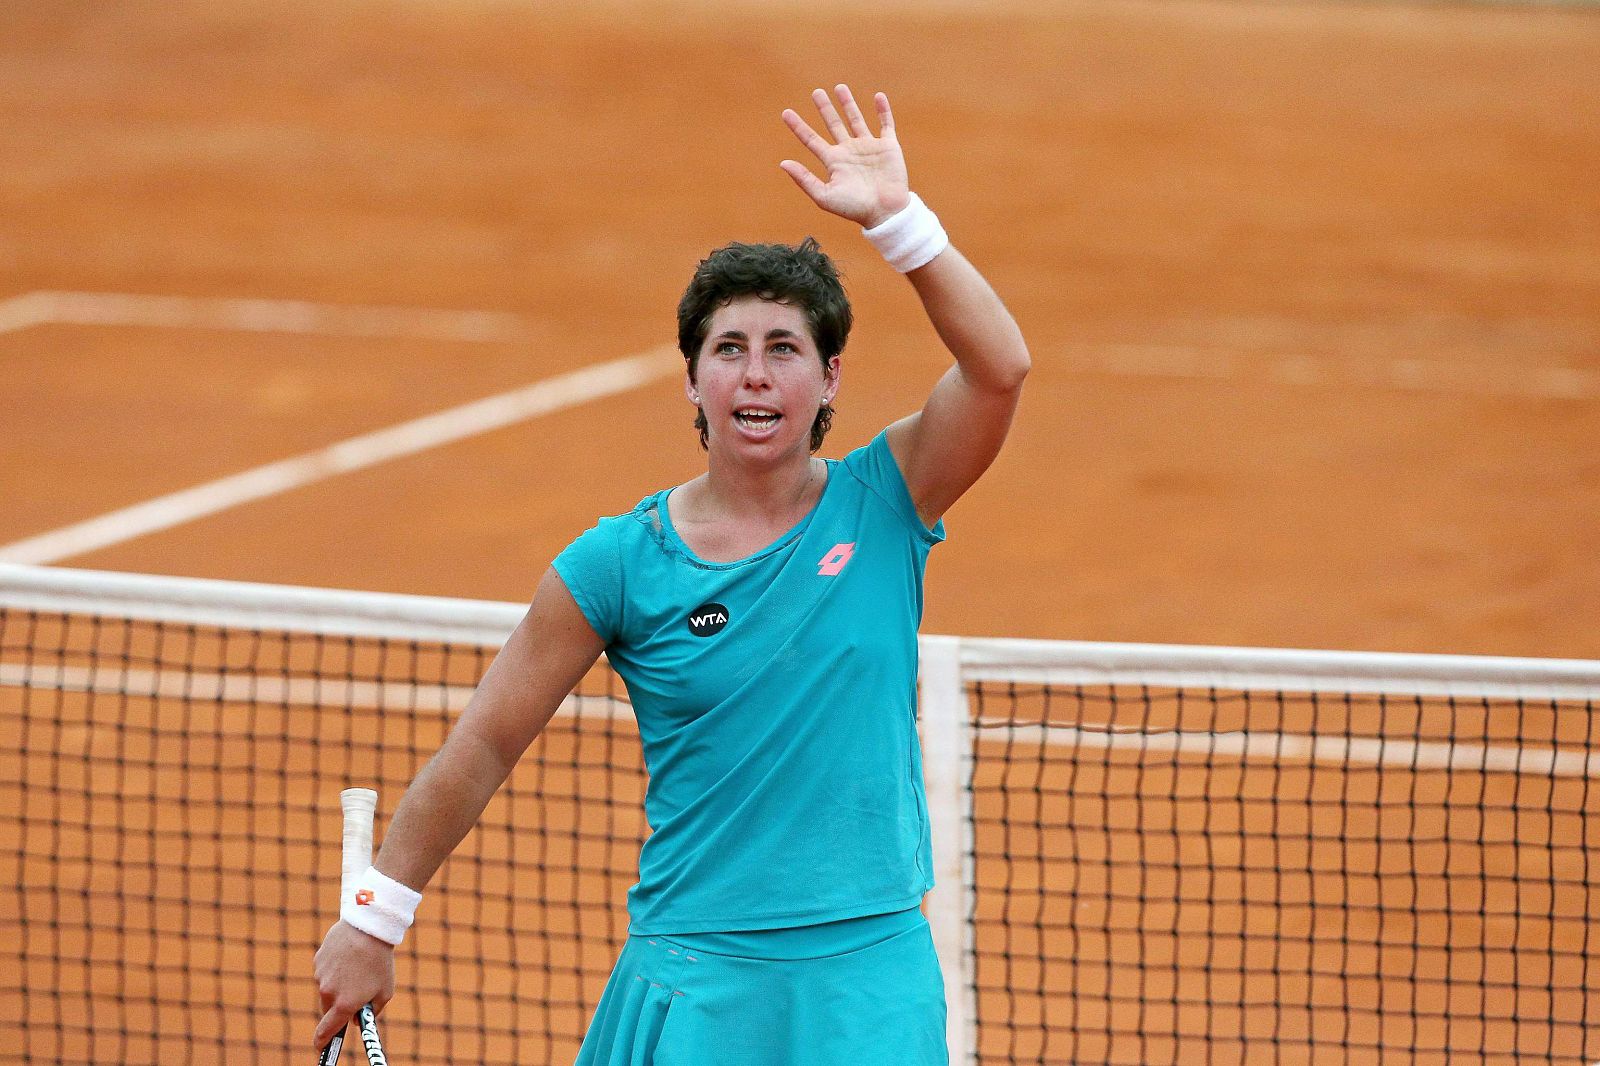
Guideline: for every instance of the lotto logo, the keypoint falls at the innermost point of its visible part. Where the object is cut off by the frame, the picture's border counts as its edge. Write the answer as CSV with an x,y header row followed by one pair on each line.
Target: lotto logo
x,y
364,897
834,561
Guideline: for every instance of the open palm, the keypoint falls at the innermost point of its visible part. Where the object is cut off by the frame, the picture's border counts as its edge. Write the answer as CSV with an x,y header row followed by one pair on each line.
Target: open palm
x,y
866,180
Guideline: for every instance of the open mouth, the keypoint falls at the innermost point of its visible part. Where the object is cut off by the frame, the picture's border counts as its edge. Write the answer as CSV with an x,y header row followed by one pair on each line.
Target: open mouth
x,y
754,418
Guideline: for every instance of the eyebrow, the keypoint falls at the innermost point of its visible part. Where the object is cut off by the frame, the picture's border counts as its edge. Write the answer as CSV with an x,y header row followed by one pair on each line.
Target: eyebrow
x,y
772,334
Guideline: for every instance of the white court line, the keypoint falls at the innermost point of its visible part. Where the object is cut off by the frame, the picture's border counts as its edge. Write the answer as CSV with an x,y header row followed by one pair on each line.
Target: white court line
x,y
274,690
257,316
1407,375
22,312
1366,751
408,438
1132,360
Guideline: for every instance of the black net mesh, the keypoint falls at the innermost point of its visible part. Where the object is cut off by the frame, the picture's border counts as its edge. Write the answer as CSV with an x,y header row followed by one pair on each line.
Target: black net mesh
x,y
1172,876
1160,875
169,858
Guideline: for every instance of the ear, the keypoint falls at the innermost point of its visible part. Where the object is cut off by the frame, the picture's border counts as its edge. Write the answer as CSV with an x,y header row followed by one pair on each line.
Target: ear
x,y
830,380
689,389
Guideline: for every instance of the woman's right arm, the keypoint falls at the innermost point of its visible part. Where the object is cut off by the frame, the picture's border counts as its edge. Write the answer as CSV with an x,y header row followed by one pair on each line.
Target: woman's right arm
x,y
543,660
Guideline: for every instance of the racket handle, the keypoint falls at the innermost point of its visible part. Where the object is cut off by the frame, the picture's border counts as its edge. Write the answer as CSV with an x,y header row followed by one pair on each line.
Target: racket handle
x,y
330,1054
359,806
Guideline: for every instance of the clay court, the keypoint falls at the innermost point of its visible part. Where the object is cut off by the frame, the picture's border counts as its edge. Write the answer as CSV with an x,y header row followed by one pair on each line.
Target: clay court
x,y
1312,291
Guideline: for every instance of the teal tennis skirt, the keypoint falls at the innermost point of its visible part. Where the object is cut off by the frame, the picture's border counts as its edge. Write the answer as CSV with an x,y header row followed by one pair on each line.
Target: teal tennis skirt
x,y
862,992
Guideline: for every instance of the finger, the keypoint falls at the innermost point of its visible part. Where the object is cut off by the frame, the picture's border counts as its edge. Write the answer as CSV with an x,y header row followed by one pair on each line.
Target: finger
x,y
830,117
807,136
326,995
885,116
852,113
809,183
332,1024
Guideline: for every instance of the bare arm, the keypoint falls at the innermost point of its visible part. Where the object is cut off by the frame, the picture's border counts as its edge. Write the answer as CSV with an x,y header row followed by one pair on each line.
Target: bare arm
x,y
545,657
542,661
944,448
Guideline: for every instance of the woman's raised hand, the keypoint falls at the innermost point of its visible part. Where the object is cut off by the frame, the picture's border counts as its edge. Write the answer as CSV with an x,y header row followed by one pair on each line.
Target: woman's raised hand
x,y
866,180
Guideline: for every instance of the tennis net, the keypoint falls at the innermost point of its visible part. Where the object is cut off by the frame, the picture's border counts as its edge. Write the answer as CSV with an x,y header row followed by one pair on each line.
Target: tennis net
x,y
1145,854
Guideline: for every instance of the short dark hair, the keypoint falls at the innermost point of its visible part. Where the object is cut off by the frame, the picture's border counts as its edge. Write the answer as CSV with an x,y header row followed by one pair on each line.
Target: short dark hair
x,y
803,276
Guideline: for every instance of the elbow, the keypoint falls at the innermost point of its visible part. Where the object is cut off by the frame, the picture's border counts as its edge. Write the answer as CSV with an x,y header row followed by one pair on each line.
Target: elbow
x,y
999,372
1010,375
1019,374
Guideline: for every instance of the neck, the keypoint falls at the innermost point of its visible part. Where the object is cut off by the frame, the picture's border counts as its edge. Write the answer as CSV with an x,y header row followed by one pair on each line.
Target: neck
x,y
774,491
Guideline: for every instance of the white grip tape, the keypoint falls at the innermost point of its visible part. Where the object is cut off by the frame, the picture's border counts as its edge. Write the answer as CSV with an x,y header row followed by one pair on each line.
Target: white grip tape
x,y
380,906
910,237
359,805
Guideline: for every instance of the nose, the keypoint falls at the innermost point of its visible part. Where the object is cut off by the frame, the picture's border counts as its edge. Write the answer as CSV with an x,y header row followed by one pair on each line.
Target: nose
x,y
756,373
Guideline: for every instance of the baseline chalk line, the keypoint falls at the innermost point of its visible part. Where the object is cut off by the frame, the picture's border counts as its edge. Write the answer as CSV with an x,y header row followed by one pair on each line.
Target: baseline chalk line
x,y
407,438
1133,360
1284,368
257,316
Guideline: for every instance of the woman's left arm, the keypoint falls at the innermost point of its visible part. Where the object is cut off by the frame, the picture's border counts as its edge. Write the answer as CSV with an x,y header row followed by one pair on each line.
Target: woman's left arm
x,y
945,447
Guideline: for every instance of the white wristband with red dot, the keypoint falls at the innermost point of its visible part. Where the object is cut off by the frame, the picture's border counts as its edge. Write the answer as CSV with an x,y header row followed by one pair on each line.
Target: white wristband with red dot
x,y
380,906
910,237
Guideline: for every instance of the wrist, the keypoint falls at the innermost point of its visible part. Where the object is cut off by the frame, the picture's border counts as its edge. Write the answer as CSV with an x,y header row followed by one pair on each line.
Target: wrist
x,y
367,938
884,214
909,238
380,906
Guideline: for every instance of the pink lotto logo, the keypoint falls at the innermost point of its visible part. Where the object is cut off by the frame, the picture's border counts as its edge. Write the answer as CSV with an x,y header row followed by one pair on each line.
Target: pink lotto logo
x,y
834,561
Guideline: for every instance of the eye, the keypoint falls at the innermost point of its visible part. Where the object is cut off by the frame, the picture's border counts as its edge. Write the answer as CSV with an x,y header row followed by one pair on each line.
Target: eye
x,y
727,348
784,348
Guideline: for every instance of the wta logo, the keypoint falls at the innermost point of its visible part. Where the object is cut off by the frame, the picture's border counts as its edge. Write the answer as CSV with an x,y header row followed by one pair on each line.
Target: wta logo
x,y
834,561
708,619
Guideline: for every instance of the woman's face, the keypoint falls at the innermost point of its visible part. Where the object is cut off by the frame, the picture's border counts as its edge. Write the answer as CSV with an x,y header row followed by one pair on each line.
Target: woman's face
x,y
759,379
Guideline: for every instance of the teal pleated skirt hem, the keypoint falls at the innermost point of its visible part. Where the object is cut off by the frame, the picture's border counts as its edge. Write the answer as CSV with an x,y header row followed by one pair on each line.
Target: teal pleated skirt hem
x,y
758,999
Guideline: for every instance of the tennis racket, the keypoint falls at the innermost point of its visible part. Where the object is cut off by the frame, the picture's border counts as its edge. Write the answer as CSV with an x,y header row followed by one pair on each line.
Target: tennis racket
x,y
356,855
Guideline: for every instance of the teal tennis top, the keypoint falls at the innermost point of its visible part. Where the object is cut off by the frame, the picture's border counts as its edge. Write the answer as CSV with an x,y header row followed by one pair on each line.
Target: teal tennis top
x,y
776,701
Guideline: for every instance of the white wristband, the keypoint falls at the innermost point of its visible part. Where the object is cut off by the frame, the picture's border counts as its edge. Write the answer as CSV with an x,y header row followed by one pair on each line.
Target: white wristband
x,y
380,906
910,237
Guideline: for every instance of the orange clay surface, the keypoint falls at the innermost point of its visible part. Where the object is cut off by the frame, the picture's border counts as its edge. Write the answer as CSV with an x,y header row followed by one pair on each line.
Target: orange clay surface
x,y
1313,291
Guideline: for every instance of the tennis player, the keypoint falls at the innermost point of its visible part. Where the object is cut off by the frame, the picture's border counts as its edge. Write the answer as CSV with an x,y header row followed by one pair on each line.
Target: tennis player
x,y
764,618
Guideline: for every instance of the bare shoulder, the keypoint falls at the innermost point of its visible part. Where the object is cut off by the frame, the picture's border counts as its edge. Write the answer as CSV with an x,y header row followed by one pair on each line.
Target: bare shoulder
x,y
544,659
555,633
